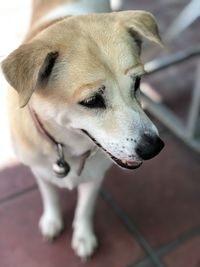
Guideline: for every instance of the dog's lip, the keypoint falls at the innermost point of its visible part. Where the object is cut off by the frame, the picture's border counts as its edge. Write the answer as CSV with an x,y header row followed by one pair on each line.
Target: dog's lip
x,y
129,164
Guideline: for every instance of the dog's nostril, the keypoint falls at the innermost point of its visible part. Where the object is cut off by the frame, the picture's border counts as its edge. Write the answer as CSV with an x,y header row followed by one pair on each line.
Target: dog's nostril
x,y
149,146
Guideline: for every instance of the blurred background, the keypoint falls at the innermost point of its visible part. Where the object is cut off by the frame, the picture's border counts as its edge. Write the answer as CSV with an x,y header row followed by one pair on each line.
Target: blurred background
x,y
146,218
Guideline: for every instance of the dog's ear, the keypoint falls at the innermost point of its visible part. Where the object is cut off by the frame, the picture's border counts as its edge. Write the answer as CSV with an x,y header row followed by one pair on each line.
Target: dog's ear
x,y
142,24
29,67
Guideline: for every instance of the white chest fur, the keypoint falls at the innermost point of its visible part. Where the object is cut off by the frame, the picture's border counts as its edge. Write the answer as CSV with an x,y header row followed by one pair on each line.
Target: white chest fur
x,y
98,162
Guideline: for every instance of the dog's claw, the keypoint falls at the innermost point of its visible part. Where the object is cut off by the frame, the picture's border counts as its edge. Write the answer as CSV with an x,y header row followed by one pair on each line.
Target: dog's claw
x,y
48,239
85,259
51,239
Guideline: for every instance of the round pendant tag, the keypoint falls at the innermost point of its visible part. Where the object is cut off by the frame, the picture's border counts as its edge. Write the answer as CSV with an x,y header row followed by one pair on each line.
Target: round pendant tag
x,y
61,168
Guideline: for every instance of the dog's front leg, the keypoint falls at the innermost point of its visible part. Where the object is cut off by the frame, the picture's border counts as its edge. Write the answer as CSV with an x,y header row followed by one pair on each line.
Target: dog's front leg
x,y
51,222
84,240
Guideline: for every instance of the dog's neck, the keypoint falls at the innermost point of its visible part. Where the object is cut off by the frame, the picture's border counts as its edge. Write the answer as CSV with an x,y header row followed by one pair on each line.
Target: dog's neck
x,y
89,152
77,8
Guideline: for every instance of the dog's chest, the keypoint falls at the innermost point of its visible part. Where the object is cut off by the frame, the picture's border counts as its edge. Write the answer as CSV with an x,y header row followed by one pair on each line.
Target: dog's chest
x,y
94,166
73,177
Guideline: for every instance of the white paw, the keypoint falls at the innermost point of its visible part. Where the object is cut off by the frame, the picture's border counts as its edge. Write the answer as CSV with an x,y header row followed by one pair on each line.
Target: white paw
x,y
84,242
50,226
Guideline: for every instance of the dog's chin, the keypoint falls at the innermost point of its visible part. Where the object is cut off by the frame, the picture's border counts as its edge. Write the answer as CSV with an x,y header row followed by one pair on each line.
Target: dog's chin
x,y
130,164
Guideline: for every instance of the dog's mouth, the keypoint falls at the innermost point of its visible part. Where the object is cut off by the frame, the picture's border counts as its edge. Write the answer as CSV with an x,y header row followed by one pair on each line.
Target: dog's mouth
x,y
130,164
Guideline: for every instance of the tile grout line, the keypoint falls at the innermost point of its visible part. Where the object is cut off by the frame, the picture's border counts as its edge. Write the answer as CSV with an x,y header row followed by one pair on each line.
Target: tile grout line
x,y
169,246
178,241
141,263
132,229
16,195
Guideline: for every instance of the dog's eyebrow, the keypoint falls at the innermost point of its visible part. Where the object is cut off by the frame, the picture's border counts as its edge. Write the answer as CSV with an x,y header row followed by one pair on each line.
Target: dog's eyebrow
x,y
138,66
87,86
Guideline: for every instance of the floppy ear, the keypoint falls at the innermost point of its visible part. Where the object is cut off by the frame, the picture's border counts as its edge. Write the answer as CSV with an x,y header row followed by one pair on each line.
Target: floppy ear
x,y
29,67
142,23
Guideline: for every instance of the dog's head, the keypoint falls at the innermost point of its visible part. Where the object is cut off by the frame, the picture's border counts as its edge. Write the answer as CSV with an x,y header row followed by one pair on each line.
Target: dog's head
x,y
84,73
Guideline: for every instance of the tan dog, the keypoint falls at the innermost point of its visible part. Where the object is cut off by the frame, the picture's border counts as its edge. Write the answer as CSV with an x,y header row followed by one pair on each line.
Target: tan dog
x,y
76,79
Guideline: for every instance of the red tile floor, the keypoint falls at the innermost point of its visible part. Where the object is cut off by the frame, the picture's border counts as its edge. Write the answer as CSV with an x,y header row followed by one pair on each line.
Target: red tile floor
x,y
146,218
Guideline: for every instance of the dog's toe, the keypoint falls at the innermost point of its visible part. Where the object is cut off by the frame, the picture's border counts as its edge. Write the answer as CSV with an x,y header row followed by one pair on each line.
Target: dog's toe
x,y
50,227
84,244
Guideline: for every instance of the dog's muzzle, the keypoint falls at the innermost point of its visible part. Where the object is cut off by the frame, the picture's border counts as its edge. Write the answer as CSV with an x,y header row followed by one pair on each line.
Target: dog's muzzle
x,y
131,164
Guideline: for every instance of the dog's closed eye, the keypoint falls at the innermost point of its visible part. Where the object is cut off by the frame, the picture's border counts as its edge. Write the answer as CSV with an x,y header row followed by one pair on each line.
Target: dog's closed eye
x,y
135,90
96,101
137,83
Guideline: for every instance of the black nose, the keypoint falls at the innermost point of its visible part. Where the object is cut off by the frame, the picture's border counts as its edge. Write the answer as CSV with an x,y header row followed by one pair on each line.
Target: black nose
x,y
149,146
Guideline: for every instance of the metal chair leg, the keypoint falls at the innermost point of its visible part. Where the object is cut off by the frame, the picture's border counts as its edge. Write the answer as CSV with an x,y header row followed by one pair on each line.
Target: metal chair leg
x,y
193,124
189,14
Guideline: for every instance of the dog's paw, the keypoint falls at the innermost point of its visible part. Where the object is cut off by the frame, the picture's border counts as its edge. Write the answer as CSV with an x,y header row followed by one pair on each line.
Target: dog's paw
x,y
84,243
50,227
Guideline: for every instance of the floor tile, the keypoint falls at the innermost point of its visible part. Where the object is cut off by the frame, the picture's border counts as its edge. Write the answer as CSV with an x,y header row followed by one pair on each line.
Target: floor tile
x,y
162,197
186,255
14,178
21,244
